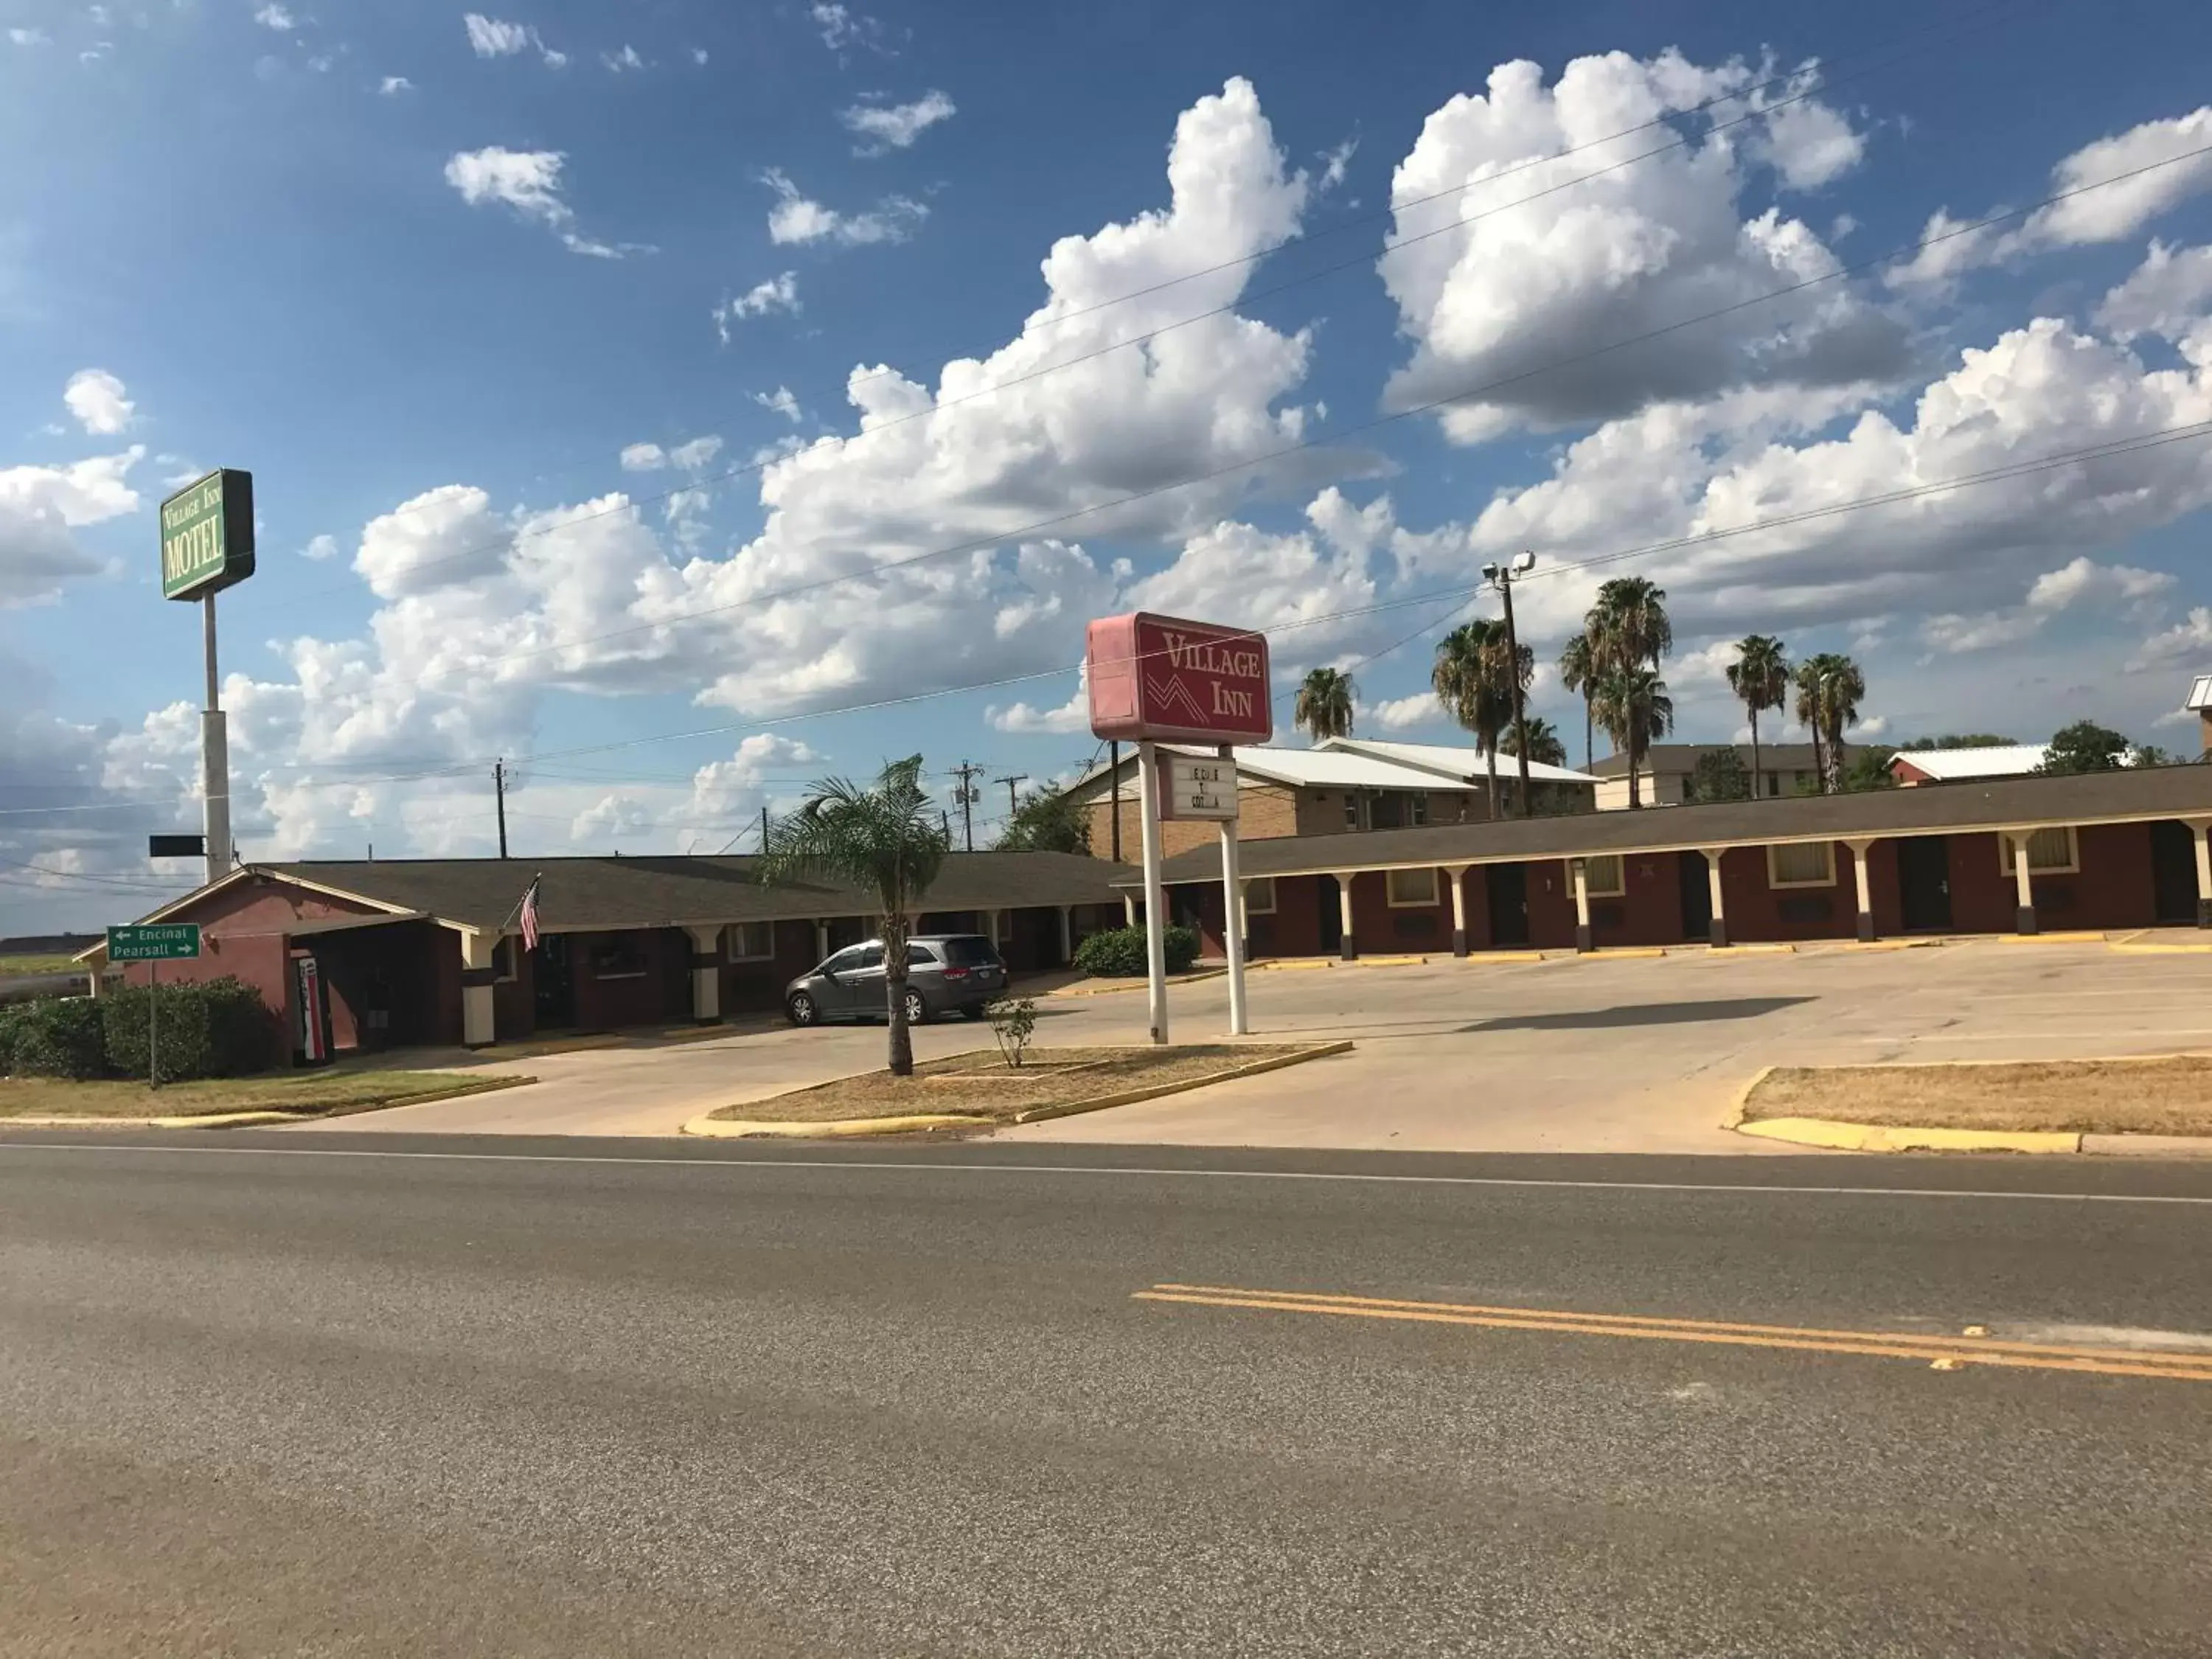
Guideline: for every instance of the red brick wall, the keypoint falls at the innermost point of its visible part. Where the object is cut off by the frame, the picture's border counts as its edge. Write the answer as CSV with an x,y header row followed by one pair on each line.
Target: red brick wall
x,y
660,995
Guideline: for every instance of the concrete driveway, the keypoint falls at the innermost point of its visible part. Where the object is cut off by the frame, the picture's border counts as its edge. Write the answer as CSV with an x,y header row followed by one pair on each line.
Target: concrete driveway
x,y
1599,1054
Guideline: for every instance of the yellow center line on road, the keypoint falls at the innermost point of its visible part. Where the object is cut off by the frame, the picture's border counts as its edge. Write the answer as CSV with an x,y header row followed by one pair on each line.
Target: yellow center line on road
x,y
1884,1345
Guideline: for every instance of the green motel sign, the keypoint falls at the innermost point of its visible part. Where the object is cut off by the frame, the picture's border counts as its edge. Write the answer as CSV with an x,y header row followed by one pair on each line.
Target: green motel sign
x,y
207,535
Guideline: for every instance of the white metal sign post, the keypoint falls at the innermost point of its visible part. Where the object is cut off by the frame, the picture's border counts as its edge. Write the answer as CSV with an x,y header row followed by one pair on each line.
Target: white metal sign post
x,y
1232,903
1156,903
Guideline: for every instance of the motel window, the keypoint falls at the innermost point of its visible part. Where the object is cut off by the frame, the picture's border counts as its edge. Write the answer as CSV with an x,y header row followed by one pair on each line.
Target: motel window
x,y
1802,864
1351,811
1774,783
1409,890
617,958
750,941
1420,810
1260,896
2051,852
1606,876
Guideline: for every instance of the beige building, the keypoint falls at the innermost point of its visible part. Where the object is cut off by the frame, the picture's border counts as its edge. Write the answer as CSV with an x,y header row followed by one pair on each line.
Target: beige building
x,y
1667,776
1345,784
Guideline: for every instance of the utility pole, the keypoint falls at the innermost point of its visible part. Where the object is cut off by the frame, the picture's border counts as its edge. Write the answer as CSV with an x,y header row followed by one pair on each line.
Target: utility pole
x,y
1114,764
1501,578
968,795
764,829
498,789
1012,805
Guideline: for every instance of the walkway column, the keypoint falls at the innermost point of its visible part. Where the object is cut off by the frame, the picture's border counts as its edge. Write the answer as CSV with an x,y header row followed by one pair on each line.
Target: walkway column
x,y
1581,905
1719,935
1866,888
1347,949
990,928
2025,920
1458,874
1067,934
1129,909
479,972
706,974
821,939
2197,829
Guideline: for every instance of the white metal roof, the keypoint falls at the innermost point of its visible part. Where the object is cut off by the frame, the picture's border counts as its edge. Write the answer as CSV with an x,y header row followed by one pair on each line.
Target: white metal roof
x,y
1337,765
1455,761
2006,760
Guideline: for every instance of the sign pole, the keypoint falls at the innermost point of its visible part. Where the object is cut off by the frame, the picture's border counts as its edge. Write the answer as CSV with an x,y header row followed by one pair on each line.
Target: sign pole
x,y
1233,909
154,1023
1156,903
215,759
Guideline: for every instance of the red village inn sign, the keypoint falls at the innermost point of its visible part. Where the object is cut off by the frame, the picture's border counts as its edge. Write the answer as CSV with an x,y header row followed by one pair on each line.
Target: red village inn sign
x,y
1162,678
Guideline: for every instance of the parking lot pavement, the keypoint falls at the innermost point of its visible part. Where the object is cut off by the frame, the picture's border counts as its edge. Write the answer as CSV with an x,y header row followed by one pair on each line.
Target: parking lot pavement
x,y
1588,1054
1637,1055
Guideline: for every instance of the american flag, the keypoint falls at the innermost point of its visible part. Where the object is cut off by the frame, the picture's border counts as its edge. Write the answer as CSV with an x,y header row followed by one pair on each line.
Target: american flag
x,y
529,915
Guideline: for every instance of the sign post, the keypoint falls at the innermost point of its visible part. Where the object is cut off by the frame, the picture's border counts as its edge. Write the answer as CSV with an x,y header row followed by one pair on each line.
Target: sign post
x,y
153,945
207,545
1161,678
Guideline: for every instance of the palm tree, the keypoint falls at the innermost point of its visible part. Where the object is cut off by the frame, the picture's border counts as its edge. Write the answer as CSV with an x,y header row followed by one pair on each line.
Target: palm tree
x,y
1324,705
1578,673
887,839
1628,624
1545,746
1843,683
1808,710
1759,676
1473,679
1633,707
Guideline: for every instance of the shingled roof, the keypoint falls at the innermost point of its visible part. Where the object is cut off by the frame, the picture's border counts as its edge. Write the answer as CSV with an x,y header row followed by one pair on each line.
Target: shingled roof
x,y
660,892
2133,795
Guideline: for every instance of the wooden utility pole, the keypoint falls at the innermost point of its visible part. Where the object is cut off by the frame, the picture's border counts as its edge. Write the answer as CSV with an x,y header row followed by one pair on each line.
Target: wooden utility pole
x,y
499,788
969,795
1014,805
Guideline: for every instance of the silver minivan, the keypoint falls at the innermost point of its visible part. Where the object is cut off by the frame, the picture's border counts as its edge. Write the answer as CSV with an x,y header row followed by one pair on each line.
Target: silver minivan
x,y
945,973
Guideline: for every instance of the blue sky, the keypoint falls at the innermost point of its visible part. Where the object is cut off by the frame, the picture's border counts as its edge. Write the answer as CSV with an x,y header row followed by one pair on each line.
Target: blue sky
x,y
480,298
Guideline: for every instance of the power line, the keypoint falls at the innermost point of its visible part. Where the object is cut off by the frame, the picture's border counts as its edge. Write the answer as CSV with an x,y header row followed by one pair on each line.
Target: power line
x,y
937,405
1459,596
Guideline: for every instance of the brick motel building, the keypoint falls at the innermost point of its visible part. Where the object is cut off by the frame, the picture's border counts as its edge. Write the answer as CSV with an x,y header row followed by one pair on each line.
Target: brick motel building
x,y
418,952
2102,850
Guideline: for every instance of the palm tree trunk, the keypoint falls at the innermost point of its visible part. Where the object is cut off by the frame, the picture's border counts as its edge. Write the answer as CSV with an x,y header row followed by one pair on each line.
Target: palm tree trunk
x,y
1836,759
1755,790
1635,754
1820,763
1490,760
902,1039
1590,730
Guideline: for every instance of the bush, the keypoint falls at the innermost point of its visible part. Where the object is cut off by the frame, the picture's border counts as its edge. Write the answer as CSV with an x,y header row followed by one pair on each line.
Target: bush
x,y
1119,952
211,1028
55,1036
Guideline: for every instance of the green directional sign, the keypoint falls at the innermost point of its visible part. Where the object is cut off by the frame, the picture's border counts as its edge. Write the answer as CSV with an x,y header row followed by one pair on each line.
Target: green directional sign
x,y
170,941
207,535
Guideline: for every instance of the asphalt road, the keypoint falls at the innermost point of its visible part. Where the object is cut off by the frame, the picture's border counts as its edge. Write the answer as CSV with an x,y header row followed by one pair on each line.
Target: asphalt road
x,y
383,1396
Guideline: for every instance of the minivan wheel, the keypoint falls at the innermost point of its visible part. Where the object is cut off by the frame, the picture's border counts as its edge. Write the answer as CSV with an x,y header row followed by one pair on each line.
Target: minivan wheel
x,y
917,1009
801,1010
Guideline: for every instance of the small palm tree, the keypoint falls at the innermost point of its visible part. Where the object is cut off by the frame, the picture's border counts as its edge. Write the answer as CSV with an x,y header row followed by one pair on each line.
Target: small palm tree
x,y
1578,671
1759,676
1473,677
1324,705
888,840
1843,685
1633,707
1545,746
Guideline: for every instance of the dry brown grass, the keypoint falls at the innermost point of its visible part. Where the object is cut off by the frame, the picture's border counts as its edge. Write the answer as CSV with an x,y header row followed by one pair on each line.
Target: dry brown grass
x,y
277,1091
979,1084
2169,1094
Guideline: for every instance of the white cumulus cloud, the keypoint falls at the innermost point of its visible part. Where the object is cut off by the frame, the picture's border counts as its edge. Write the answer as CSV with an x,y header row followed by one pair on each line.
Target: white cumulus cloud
x,y
528,181
274,16
97,399
799,218
895,126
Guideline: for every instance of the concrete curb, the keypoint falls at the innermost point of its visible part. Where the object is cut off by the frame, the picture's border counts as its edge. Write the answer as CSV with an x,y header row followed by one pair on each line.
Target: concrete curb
x,y
268,1115
1892,1138
1085,988
728,1128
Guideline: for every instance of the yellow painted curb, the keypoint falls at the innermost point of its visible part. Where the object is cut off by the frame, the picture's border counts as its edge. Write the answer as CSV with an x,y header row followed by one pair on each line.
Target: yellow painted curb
x,y
1131,1096
268,1114
2163,950
1292,964
2081,937
228,1120
1482,956
1625,952
1760,948
733,1128
1889,944
1387,962
1743,1104
1086,988
1890,1138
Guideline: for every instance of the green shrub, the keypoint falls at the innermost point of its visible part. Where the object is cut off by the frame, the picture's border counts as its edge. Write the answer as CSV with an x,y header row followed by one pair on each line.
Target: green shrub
x,y
1119,952
55,1036
211,1028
